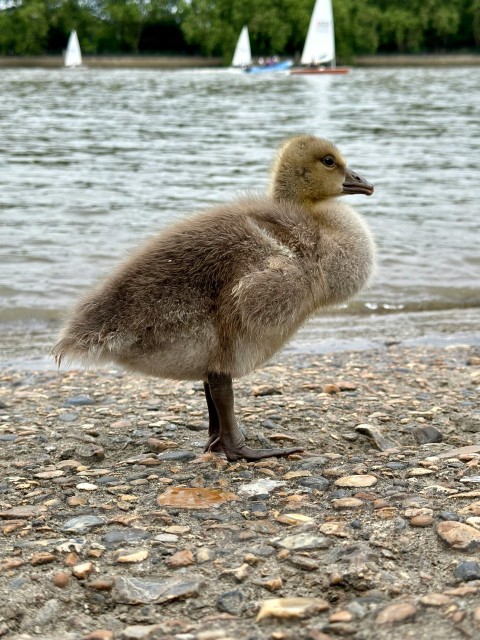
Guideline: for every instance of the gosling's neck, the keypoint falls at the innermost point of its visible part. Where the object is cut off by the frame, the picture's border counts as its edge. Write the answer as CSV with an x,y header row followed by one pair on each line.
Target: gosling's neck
x,y
279,191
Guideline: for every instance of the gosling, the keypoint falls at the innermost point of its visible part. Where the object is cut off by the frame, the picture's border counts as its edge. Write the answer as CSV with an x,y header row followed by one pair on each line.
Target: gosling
x,y
216,295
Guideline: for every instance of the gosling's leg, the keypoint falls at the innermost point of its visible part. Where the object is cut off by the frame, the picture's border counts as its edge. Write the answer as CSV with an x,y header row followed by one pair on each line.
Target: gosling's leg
x,y
213,421
230,438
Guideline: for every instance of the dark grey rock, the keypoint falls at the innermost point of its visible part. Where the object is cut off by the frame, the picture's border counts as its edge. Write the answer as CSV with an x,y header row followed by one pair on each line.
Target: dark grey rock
x,y
427,434
315,482
89,452
269,424
376,436
262,550
396,466
82,523
48,612
7,437
231,602
176,455
312,463
103,480
467,570
340,493
79,401
122,536
449,515
138,591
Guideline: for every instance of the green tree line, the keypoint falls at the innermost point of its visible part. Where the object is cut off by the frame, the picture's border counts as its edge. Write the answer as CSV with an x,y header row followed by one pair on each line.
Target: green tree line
x,y
211,27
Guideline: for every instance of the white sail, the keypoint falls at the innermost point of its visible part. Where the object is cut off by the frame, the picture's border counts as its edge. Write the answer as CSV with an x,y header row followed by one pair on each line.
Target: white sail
x,y
73,55
320,43
242,56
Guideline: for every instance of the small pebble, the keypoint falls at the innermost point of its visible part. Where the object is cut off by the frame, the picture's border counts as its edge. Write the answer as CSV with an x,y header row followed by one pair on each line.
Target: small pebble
x,y
61,579
83,570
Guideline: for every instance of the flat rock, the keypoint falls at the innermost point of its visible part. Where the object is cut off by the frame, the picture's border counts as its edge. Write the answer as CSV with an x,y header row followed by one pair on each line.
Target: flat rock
x,y
347,503
182,558
182,456
338,529
86,486
294,518
120,536
43,557
453,453
194,497
315,482
7,564
141,632
265,390
302,541
396,613
356,481
381,442
435,600
459,536
471,479
26,511
291,608
82,523
129,558
79,401
139,591
260,487
48,475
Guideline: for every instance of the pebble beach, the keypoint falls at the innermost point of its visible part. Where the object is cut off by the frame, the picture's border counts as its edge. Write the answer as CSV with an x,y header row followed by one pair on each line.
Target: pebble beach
x,y
116,525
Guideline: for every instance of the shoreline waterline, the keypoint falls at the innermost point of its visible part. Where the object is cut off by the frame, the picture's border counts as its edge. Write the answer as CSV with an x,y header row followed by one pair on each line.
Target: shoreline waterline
x,y
26,346
192,62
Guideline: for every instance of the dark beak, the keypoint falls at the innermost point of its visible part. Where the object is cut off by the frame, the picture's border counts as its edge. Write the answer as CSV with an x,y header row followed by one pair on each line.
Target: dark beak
x,y
356,184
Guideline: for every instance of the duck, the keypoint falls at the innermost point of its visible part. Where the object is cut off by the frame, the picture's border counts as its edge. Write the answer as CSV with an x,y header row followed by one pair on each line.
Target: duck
x,y
215,295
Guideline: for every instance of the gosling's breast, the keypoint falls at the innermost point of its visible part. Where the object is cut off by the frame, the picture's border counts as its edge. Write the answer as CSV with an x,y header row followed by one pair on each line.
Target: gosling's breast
x,y
346,254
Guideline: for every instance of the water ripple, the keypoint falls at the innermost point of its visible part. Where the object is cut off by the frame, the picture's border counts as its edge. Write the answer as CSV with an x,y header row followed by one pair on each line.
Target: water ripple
x,y
96,161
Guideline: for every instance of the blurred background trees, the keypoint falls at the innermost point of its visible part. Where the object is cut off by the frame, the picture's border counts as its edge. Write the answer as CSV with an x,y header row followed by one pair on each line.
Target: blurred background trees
x,y
211,27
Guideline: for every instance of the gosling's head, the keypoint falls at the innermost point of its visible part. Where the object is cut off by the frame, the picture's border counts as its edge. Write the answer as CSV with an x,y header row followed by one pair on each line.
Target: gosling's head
x,y
310,169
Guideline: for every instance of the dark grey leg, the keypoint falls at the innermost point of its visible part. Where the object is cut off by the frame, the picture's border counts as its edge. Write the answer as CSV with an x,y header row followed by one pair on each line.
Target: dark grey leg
x,y
213,421
229,436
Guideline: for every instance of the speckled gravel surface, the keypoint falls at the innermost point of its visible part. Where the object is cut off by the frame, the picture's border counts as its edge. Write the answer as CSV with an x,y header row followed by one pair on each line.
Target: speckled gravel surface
x,y
114,524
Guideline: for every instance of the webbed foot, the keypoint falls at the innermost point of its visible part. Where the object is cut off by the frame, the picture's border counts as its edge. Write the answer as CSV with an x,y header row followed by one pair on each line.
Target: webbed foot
x,y
225,434
242,452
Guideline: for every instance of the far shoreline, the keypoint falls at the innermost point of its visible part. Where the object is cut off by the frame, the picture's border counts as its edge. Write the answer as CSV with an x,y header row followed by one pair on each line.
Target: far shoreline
x,y
196,62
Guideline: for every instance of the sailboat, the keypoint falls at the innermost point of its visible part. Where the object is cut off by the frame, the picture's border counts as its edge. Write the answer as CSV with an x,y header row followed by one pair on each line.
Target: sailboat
x,y
242,56
73,55
319,48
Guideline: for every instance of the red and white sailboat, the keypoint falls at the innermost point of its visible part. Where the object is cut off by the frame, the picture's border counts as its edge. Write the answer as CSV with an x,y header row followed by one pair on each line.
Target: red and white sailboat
x,y
318,56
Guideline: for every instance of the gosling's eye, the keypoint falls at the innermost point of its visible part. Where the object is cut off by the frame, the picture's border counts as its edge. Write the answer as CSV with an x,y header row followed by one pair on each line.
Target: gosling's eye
x,y
328,161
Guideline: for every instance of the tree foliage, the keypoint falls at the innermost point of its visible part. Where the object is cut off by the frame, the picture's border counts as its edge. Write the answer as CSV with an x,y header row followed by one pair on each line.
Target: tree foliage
x,y
211,27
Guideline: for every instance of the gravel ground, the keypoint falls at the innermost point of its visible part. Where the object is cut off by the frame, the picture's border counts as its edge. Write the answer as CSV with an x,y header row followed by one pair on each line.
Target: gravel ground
x,y
116,525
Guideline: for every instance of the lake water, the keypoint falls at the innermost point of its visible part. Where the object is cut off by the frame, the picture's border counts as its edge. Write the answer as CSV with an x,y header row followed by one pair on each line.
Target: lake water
x,y
94,161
